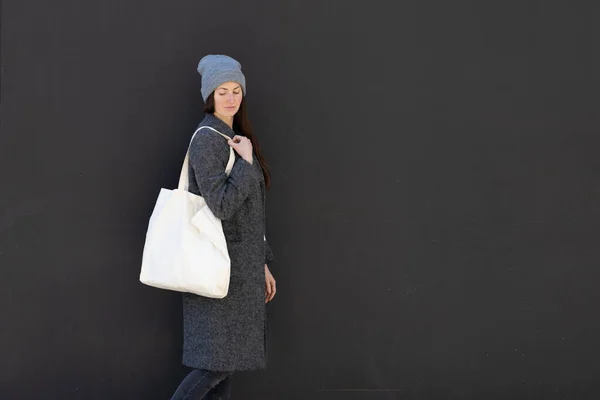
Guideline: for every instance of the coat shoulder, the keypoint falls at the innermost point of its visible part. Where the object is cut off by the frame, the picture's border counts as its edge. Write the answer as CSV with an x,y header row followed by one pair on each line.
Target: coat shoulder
x,y
208,142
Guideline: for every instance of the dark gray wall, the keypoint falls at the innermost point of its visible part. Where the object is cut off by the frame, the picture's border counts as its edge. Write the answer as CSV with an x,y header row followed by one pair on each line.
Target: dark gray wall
x,y
435,204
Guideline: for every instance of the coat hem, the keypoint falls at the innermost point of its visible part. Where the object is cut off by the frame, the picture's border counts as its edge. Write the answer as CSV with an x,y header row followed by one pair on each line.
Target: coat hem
x,y
217,367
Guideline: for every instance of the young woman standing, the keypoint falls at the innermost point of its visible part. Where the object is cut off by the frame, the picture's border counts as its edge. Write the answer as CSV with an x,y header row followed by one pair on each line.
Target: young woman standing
x,y
226,335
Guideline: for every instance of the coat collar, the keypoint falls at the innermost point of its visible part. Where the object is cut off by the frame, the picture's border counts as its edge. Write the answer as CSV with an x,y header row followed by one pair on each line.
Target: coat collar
x,y
214,122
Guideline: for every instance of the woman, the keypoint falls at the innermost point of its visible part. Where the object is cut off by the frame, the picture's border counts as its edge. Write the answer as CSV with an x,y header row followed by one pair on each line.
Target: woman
x,y
226,335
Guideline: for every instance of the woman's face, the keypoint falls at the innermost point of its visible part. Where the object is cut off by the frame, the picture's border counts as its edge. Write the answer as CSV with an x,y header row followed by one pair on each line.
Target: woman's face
x,y
228,98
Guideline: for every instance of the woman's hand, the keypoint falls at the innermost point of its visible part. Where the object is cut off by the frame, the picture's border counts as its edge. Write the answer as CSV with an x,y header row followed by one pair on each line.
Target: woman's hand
x,y
243,146
270,282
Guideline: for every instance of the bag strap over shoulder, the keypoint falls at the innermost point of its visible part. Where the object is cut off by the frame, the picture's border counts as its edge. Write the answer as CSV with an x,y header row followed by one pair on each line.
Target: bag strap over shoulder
x,y
183,176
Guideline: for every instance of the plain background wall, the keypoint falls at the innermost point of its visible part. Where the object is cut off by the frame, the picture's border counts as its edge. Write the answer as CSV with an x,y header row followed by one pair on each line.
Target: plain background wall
x,y
434,211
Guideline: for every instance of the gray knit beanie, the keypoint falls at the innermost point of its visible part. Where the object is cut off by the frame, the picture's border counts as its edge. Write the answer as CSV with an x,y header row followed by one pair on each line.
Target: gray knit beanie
x,y
217,69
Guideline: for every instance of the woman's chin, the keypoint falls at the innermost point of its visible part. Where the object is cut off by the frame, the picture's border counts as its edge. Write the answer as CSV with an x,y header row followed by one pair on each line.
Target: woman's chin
x,y
229,112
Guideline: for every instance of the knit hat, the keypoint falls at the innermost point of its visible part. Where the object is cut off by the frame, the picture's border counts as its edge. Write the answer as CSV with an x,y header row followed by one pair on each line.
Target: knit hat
x,y
217,69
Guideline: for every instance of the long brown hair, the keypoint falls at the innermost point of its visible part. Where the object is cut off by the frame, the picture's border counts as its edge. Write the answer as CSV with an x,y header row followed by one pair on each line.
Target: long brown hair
x,y
241,124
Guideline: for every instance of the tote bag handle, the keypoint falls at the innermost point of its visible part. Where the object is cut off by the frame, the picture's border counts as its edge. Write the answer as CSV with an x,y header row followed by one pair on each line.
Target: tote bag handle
x,y
183,176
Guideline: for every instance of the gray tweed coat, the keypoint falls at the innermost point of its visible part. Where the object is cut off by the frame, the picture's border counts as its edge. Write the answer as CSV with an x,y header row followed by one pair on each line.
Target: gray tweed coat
x,y
229,334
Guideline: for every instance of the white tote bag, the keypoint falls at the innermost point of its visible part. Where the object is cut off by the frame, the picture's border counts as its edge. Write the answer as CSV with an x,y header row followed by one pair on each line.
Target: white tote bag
x,y
185,247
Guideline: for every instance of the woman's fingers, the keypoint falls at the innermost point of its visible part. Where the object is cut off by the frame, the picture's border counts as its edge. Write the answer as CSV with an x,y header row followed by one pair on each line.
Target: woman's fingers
x,y
239,140
271,285
273,290
243,146
270,290
267,291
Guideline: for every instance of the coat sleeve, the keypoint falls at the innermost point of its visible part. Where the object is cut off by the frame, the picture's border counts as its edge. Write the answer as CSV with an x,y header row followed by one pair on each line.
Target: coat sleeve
x,y
269,258
223,194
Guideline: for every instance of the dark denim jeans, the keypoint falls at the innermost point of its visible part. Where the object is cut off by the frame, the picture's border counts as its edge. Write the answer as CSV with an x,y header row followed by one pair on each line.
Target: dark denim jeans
x,y
201,384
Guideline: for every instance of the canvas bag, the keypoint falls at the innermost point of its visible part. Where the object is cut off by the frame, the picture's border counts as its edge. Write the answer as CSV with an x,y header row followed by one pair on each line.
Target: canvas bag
x,y
185,248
